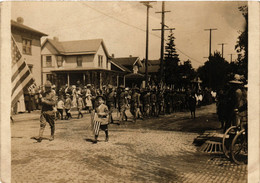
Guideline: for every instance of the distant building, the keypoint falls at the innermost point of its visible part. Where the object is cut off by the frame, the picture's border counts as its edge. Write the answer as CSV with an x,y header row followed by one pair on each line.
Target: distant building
x,y
153,70
131,65
87,61
29,43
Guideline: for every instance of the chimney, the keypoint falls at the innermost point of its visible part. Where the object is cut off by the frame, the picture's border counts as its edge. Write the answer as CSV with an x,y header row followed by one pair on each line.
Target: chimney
x,y
113,55
20,20
56,38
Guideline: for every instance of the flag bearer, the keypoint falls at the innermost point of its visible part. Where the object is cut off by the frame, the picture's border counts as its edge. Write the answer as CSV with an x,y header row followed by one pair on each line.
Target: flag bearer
x,y
101,118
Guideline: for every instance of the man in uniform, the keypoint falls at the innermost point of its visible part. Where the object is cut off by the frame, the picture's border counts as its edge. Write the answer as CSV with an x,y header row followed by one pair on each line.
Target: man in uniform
x,y
147,103
160,101
154,103
47,112
110,101
134,103
235,100
122,102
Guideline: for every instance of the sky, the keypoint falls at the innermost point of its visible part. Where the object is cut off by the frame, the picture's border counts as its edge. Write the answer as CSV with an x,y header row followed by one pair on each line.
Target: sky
x,y
122,25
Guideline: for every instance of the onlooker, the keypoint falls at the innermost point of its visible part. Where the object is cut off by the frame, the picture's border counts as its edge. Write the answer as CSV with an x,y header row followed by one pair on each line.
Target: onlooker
x,y
60,107
68,105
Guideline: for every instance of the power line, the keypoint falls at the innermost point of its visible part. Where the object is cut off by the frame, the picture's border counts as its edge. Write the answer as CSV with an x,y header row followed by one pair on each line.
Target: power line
x,y
135,28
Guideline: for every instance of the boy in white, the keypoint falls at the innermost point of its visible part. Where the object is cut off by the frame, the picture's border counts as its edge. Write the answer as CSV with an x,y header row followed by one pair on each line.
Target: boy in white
x,y
60,107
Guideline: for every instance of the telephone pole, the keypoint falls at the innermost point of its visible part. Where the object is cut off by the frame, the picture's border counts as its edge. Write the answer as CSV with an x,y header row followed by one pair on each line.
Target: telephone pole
x,y
162,38
210,30
230,57
222,45
148,6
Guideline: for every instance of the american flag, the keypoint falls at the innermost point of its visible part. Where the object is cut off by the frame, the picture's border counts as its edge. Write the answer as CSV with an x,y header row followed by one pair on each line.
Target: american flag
x,y
21,75
95,124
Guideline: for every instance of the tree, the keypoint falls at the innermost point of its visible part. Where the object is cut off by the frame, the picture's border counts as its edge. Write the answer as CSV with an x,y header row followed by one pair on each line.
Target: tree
x,y
172,60
242,45
187,74
214,73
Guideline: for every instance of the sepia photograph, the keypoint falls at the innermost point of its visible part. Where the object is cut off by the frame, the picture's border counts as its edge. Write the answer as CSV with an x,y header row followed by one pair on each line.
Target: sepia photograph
x,y
129,91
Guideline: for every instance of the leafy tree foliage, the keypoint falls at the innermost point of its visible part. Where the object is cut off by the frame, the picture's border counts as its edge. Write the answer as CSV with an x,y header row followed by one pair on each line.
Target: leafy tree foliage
x,y
242,45
171,62
215,72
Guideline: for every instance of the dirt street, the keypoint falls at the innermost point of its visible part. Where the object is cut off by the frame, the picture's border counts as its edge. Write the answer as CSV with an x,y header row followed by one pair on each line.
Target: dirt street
x,y
153,150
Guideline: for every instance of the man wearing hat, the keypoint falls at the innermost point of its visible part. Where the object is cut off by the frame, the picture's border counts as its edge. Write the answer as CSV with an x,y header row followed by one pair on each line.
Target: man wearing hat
x,y
134,103
80,105
47,112
68,105
122,102
234,101
110,101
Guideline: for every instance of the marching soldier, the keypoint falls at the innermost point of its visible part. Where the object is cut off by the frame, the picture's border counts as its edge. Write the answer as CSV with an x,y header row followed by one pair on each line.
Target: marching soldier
x,y
47,112
154,103
122,102
111,100
134,103
160,100
147,101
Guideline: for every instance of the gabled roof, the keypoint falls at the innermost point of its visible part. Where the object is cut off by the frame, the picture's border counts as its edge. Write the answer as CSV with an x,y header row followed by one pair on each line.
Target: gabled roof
x,y
154,62
127,61
121,67
90,46
151,62
15,24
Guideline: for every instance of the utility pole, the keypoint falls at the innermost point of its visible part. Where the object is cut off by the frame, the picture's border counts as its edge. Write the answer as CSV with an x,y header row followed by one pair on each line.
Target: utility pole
x,y
222,45
162,39
147,4
231,57
210,30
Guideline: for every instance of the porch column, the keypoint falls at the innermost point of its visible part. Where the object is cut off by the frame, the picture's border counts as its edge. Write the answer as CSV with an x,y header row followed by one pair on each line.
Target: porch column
x,y
100,79
124,80
84,79
68,78
117,80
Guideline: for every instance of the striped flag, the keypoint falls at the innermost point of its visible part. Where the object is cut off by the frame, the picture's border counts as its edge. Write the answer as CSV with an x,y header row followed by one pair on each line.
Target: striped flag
x,y
96,124
21,75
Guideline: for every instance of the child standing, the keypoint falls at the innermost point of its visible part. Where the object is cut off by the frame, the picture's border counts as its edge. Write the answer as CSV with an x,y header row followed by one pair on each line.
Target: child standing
x,y
67,106
89,103
101,118
80,105
60,107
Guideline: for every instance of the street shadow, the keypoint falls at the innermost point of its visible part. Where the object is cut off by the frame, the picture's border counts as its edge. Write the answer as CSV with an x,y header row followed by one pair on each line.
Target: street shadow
x,y
43,138
90,140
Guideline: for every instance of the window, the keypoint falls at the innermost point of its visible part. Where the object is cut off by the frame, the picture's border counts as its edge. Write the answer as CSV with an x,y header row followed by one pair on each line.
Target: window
x,y
100,60
59,61
50,78
107,63
27,46
135,69
48,61
79,61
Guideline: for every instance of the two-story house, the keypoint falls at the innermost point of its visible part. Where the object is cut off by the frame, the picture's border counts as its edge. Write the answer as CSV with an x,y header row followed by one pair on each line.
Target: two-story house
x,y
28,41
87,61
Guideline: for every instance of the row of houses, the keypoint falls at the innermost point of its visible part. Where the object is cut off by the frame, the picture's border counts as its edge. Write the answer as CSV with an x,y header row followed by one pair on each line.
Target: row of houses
x,y
87,61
